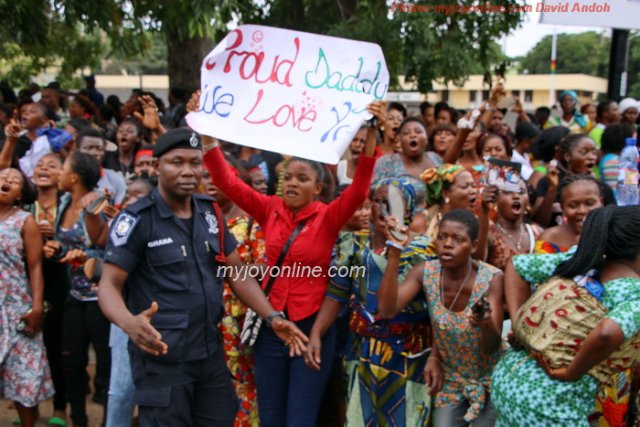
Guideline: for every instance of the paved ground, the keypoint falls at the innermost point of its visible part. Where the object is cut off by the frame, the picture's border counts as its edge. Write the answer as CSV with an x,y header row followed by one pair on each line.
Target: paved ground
x,y
94,410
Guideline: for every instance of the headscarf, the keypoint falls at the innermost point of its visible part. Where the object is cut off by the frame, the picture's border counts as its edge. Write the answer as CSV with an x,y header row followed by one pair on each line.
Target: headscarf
x,y
580,119
408,192
438,179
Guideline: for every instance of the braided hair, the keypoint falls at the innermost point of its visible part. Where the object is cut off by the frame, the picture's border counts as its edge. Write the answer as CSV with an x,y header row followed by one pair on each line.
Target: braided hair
x,y
611,233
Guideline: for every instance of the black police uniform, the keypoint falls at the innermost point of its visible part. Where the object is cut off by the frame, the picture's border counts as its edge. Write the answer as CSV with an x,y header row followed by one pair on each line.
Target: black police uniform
x,y
171,261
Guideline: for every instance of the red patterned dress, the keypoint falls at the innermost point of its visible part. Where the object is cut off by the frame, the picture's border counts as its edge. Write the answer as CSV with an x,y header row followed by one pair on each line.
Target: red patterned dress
x,y
239,357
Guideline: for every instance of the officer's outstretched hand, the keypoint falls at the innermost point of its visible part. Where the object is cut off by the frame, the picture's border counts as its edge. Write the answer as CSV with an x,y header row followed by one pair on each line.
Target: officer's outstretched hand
x,y
292,336
144,335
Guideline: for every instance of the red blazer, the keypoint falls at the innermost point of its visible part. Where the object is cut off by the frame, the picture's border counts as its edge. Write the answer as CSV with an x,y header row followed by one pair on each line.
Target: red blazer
x,y
299,297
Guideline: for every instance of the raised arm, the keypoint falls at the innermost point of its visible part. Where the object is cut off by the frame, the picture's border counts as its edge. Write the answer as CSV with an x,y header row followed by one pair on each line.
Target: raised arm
x,y
342,208
249,200
392,298
6,155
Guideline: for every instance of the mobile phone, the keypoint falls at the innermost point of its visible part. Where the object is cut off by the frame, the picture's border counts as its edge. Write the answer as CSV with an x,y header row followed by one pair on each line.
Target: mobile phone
x,y
482,306
396,210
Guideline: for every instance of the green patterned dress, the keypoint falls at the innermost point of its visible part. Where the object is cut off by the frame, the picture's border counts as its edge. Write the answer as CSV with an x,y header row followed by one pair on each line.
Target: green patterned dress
x,y
521,391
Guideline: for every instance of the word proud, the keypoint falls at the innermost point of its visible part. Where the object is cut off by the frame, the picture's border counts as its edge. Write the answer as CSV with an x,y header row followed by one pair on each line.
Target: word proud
x,y
259,272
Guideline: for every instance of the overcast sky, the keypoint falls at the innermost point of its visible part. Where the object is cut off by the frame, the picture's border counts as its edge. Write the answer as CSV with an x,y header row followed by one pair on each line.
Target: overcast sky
x,y
520,41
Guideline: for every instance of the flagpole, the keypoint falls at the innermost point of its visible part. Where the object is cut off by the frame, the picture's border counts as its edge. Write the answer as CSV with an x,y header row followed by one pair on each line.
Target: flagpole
x,y
553,65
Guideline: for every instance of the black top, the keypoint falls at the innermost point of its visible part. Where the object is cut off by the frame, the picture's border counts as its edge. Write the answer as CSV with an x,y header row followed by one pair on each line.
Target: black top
x,y
173,265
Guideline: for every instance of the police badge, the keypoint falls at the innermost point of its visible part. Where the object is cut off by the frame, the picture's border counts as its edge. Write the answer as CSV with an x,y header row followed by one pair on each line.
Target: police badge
x,y
212,221
193,141
122,229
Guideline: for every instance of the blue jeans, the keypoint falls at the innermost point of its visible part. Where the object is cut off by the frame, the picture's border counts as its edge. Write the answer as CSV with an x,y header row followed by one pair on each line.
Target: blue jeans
x,y
289,392
121,389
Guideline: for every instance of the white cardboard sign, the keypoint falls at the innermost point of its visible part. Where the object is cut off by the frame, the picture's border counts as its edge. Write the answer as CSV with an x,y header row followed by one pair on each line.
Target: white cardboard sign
x,y
287,91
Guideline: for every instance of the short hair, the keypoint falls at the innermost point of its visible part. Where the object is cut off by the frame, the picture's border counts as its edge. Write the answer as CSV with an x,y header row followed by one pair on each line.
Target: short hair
x,y
411,119
526,130
399,107
87,167
603,106
568,180
614,137
317,167
28,193
506,142
424,106
79,124
568,144
463,217
437,129
91,132
545,149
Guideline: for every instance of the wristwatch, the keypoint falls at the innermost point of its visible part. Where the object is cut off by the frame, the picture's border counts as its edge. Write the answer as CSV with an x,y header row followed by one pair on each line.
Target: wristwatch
x,y
273,315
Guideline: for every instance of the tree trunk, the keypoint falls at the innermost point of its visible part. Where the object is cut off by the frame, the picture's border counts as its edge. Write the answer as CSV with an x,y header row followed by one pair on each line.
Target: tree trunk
x,y
184,59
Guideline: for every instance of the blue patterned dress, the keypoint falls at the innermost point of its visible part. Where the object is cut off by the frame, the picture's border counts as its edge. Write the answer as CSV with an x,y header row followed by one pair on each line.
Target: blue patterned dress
x,y
24,370
386,358
522,393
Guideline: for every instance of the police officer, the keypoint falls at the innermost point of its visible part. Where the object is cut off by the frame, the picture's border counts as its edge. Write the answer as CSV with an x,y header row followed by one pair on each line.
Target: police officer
x,y
167,248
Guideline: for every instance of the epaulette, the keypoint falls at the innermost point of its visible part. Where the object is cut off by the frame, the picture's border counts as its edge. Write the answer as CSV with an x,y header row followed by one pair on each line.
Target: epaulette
x,y
140,205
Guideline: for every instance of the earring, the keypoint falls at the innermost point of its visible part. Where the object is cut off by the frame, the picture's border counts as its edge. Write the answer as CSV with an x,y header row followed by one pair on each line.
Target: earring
x,y
446,200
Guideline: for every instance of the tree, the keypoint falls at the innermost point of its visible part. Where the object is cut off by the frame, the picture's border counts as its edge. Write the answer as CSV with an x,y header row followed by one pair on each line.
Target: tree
x,y
584,53
447,45
421,45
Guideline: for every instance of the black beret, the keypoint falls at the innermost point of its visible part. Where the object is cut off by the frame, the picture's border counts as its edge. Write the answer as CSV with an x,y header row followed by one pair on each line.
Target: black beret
x,y
177,138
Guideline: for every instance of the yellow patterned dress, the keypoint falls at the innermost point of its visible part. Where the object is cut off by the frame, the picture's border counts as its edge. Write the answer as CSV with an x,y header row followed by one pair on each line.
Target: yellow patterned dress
x,y
239,357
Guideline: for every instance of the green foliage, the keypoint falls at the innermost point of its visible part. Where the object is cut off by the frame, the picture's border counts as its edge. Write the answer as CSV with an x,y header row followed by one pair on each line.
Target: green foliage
x,y
634,66
423,45
152,59
585,53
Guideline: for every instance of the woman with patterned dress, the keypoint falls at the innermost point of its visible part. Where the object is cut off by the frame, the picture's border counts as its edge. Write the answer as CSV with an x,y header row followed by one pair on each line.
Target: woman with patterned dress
x,y
24,371
386,358
508,235
239,357
530,390
411,161
579,195
448,187
465,307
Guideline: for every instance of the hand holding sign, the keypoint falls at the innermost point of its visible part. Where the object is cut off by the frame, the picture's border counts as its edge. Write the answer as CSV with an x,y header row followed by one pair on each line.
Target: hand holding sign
x,y
287,91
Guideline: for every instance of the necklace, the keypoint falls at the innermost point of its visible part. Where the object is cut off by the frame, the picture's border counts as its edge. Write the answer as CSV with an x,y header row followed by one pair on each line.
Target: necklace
x,y
8,214
507,235
443,324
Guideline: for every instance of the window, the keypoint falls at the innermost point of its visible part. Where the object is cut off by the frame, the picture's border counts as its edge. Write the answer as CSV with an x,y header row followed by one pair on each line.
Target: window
x,y
445,96
528,96
485,95
472,96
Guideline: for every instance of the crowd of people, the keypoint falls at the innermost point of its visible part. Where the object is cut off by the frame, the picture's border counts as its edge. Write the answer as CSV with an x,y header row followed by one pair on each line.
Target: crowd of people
x,y
479,303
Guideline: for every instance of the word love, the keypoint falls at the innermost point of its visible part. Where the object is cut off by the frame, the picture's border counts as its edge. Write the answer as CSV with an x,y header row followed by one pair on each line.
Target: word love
x,y
286,114
255,65
323,76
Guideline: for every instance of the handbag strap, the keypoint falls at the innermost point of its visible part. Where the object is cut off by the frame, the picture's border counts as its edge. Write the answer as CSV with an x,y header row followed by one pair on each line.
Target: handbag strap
x,y
285,249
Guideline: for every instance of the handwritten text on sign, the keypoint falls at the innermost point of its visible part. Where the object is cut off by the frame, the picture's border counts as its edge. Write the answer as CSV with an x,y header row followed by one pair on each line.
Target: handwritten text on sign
x,y
287,91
